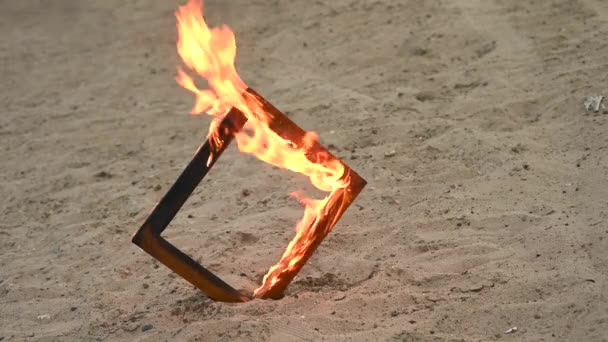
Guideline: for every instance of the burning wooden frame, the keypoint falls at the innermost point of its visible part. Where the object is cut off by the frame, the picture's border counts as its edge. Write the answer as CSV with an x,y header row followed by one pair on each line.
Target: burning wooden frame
x,y
149,238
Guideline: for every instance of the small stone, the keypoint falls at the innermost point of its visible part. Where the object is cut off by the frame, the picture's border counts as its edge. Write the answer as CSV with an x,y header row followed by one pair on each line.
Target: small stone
x,y
103,174
425,96
130,326
245,192
157,187
418,51
147,327
536,316
145,286
339,296
390,153
594,103
73,308
394,313
518,148
476,288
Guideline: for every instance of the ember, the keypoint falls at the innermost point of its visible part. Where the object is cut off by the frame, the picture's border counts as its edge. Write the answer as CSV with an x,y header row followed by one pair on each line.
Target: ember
x,y
259,129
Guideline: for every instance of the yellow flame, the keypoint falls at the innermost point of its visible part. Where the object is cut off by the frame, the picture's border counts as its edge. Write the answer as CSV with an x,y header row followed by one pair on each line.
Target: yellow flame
x,y
210,53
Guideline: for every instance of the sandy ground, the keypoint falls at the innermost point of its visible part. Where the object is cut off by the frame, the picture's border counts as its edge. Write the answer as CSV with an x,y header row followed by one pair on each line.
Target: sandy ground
x,y
491,214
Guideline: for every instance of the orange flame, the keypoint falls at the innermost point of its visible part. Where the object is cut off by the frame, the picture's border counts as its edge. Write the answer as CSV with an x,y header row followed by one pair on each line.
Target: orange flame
x,y
210,53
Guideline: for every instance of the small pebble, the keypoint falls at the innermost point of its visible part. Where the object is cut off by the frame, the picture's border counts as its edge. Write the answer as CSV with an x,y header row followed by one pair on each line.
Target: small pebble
x,y
147,327
103,174
390,154
476,288
594,103
339,296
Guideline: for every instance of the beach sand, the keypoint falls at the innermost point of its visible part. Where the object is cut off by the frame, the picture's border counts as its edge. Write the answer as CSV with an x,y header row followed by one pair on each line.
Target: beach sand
x,y
486,205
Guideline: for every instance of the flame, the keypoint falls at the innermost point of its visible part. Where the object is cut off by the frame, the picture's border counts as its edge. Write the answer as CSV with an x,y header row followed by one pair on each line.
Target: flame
x,y
210,53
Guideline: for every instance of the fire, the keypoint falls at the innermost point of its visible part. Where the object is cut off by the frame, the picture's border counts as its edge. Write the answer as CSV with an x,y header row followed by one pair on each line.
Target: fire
x,y
210,53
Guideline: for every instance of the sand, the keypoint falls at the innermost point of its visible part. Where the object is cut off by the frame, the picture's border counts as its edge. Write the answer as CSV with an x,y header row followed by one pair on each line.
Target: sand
x,y
486,200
